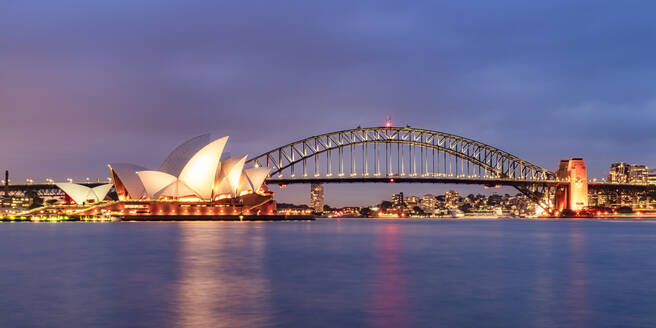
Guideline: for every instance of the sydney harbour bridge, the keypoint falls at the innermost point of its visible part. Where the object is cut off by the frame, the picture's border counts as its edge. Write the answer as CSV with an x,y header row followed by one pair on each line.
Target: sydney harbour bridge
x,y
410,155
407,155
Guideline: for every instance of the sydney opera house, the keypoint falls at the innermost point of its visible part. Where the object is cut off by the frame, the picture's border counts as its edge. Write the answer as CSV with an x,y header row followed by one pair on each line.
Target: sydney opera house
x,y
193,182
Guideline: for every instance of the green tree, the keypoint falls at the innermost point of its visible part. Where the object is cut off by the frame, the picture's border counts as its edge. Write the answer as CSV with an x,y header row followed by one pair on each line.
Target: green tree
x,y
467,208
418,210
385,205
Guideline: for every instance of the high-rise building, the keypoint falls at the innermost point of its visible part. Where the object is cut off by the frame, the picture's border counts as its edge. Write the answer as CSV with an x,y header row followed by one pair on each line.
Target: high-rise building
x,y
619,173
451,198
397,200
428,203
412,201
628,173
651,176
638,173
316,197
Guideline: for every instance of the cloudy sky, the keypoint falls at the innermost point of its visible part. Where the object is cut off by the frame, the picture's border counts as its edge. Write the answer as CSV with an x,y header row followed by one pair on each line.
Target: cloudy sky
x,y
84,83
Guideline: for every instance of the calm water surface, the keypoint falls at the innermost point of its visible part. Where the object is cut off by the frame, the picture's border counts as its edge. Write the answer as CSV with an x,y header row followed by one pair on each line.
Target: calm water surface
x,y
329,273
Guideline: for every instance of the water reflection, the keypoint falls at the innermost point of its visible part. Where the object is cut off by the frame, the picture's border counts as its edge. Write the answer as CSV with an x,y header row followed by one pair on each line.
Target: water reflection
x,y
577,298
388,307
222,282
379,273
543,296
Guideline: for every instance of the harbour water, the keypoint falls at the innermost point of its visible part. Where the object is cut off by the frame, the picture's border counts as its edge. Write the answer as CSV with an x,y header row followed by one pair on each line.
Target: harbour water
x,y
329,273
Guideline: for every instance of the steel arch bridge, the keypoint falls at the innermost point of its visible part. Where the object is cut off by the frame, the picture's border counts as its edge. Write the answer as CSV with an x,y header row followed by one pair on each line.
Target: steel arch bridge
x,y
403,154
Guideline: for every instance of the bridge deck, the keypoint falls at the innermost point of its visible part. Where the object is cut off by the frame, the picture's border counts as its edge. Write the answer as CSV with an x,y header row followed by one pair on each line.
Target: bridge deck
x,y
453,180
415,179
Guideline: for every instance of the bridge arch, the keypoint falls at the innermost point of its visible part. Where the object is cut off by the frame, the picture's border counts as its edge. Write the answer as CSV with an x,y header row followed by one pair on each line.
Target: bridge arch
x,y
440,154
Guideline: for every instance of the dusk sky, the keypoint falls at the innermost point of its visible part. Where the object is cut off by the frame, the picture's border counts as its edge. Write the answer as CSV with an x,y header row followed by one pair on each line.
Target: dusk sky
x,y
85,83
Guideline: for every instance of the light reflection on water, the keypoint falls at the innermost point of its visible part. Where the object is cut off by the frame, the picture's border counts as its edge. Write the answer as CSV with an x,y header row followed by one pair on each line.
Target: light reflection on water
x,y
213,292
388,306
577,297
329,273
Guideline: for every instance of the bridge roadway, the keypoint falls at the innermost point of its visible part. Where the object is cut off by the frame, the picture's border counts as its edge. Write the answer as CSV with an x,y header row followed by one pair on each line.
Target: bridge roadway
x,y
489,182
50,189
411,179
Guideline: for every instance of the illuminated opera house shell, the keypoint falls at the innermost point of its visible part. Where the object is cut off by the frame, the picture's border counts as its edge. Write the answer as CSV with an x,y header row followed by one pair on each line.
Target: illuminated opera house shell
x,y
193,170
82,194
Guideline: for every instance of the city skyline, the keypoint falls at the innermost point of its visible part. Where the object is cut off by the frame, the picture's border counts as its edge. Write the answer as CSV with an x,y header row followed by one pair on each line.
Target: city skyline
x,y
86,84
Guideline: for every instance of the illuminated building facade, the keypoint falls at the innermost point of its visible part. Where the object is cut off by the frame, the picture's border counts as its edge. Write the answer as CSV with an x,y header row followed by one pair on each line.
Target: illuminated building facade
x,y
191,183
651,176
192,171
412,201
16,202
451,198
428,203
316,197
618,173
628,173
397,200
638,173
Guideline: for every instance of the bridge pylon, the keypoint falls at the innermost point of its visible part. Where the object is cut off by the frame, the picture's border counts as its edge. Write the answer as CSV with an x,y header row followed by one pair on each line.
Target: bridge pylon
x,y
572,193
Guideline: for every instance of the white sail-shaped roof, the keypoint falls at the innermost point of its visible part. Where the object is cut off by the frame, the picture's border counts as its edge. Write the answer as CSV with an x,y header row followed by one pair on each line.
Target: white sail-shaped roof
x,y
200,172
230,175
202,176
127,173
175,189
256,177
102,191
178,158
222,186
244,184
82,194
155,181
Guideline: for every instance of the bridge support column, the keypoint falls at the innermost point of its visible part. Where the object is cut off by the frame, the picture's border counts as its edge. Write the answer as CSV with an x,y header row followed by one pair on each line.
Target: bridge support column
x,y
572,194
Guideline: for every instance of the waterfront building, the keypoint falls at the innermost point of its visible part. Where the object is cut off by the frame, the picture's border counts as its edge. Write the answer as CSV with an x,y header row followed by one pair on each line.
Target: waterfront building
x,y
651,176
638,173
397,200
192,183
316,197
598,198
451,198
192,171
428,203
16,203
412,201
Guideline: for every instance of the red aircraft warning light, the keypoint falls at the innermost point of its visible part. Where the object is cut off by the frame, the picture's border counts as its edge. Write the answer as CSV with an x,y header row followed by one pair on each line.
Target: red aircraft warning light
x,y
388,122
